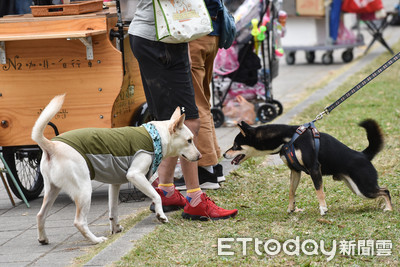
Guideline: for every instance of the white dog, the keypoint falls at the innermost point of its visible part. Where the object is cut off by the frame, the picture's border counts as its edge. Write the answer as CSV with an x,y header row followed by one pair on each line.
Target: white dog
x,y
66,166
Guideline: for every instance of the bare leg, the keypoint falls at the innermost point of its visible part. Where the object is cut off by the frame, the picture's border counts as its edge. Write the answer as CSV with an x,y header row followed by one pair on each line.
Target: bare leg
x,y
166,170
189,169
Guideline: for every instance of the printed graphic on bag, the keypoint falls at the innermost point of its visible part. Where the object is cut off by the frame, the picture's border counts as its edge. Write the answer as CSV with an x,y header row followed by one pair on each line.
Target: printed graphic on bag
x,y
182,11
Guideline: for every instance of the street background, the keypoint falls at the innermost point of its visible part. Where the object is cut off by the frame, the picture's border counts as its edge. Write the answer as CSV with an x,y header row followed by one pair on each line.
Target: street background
x,y
18,231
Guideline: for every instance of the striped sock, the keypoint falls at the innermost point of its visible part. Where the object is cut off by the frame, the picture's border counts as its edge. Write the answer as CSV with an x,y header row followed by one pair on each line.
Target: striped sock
x,y
193,196
168,189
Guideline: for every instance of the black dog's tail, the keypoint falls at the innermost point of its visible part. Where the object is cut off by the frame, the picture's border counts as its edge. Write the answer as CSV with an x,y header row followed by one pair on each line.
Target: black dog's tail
x,y
374,136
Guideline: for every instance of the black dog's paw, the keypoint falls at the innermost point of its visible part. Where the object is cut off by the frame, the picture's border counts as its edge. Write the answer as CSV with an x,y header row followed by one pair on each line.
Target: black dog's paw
x,y
323,210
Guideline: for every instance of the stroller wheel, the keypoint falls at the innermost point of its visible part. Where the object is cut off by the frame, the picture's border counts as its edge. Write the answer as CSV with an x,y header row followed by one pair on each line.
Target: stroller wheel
x,y
290,58
278,106
347,56
310,56
327,58
266,113
218,117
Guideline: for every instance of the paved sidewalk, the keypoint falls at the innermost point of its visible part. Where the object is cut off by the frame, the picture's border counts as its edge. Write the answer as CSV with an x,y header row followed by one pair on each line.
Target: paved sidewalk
x,y
18,237
18,231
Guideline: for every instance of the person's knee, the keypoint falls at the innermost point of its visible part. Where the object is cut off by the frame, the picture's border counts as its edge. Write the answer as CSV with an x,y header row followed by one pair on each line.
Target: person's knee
x,y
193,125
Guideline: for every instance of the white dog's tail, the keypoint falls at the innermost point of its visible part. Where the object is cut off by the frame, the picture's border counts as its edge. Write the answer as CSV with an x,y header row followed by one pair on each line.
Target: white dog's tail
x,y
47,114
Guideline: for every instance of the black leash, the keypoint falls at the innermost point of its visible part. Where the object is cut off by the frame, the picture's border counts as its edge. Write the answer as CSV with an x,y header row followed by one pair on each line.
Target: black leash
x,y
360,85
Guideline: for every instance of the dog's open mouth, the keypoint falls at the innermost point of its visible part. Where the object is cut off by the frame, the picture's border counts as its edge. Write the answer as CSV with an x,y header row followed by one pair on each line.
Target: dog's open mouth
x,y
237,159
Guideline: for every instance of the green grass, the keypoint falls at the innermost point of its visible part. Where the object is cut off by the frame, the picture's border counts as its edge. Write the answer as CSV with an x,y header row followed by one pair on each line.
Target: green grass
x,y
127,223
260,192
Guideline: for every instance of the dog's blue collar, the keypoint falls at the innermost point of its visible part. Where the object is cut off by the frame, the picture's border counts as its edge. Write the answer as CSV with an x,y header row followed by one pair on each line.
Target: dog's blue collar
x,y
156,144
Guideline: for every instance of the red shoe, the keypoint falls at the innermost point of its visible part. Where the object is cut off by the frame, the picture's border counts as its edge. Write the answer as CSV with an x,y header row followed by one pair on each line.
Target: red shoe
x,y
156,182
175,202
207,210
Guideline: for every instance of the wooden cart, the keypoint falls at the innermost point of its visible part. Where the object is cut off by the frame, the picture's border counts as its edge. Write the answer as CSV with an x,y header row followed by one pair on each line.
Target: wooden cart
x,y
41,57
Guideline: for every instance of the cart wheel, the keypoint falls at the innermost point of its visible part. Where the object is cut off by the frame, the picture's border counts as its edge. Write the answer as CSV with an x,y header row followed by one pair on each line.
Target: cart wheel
x,y
142,115
327,58
290,58
278,107
347,56
266,113
310,56
218,117
24,164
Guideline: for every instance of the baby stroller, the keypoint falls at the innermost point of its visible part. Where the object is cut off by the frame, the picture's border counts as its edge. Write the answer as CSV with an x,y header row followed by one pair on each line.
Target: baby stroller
x,y
248,67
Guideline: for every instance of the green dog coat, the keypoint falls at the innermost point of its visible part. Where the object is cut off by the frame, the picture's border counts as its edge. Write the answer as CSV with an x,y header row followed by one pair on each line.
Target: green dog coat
x,y
109,152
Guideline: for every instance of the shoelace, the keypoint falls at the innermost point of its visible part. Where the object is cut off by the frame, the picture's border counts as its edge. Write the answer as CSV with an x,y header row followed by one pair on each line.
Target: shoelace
x,y
212,202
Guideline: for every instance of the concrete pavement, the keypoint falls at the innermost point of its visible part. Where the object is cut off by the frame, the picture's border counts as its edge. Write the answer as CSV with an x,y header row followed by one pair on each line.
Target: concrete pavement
x,y
18,237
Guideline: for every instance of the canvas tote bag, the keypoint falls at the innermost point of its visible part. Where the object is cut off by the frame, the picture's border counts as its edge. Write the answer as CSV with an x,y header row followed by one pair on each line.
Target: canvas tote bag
x,y
181,21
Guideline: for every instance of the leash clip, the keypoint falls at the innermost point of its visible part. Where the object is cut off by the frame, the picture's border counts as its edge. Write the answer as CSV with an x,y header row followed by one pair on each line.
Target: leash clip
x,y
320,116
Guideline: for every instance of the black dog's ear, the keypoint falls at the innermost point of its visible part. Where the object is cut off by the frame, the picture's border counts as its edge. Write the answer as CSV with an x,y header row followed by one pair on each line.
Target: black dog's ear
x,y
244,128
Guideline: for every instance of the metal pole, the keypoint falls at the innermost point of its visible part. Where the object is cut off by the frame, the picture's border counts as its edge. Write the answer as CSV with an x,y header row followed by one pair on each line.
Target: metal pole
x,y
14,180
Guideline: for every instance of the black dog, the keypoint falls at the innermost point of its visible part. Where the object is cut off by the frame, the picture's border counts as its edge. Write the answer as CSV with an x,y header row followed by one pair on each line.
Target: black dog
x,y
331,158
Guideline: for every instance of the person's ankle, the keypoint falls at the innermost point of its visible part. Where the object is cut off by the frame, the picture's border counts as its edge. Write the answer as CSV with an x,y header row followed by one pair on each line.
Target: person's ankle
x,y
167,189
193,196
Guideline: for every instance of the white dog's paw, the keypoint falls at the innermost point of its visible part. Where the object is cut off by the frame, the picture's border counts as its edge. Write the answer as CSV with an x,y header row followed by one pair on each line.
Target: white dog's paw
x,y
162,218
43,241
323,210
290,209
298,210
100,239
295,209
116,229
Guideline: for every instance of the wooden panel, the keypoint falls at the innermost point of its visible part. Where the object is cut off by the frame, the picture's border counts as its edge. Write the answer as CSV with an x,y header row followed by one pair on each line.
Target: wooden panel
x,y
75,8
132,94
106,13
37,70
50,35
52,26
98,94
